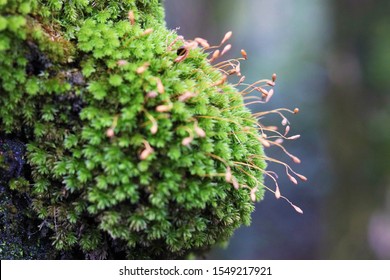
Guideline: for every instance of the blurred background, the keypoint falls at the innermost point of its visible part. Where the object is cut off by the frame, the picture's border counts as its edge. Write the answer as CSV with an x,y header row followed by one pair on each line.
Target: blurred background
x,y
332,58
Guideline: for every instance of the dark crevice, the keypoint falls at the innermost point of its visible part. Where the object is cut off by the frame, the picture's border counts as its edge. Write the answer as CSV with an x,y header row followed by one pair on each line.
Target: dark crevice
x,y
37,61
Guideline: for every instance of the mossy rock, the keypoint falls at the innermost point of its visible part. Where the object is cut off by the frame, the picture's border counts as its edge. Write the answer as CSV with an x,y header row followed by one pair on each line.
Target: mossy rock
x,y
117,163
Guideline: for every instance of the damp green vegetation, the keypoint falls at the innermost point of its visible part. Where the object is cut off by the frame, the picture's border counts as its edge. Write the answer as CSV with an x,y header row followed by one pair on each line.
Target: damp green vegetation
x,y
100,158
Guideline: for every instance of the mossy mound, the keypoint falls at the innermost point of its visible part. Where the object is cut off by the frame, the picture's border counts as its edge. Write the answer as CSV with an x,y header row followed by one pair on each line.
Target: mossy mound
x,y
118,164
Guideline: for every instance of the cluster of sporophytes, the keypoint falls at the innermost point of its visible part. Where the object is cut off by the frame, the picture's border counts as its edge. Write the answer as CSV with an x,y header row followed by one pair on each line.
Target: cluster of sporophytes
x,y
120,139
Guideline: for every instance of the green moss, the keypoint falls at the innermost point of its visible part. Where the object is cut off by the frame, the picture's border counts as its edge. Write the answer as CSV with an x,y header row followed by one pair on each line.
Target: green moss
x,y
115,171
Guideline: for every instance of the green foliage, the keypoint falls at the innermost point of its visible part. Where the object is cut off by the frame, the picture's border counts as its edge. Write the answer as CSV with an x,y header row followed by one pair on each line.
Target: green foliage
x,y
71,85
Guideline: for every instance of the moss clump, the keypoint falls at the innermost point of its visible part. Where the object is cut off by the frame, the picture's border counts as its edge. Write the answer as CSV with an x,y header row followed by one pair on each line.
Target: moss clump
x,y
118,165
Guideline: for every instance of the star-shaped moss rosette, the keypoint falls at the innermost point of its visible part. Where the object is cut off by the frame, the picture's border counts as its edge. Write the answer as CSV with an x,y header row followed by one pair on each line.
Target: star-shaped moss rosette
x,y
137,145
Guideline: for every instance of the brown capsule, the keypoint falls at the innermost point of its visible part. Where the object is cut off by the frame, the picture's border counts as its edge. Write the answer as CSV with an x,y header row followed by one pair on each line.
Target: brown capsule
x,y
244,54
296,111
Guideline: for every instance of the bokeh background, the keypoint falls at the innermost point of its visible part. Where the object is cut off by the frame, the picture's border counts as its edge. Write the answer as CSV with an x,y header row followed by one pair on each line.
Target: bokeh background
x,y
332,58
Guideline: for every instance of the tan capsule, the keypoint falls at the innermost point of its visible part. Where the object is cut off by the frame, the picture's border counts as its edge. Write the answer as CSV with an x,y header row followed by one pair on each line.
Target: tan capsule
x,y
145,153
110,132
131,17
122,62
294,137
264,142
187,141
295,159
272,127
147,31
154,128
160,86
241,80
270,94
185,96
228,35
279,141
151,94
253,194
299,210
287,130
264,93
143,68
215,55
303,178
226,49
235,183
200,132
220,82
202,42
228,175
238,70
163,108
292,179
277,193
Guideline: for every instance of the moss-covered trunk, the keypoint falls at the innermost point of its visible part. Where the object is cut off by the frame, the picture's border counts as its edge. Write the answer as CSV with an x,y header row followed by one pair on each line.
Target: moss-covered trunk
x,y
113,143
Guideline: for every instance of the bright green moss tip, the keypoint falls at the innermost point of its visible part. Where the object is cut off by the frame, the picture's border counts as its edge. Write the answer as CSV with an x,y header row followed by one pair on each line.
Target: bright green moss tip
x,y
119,163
